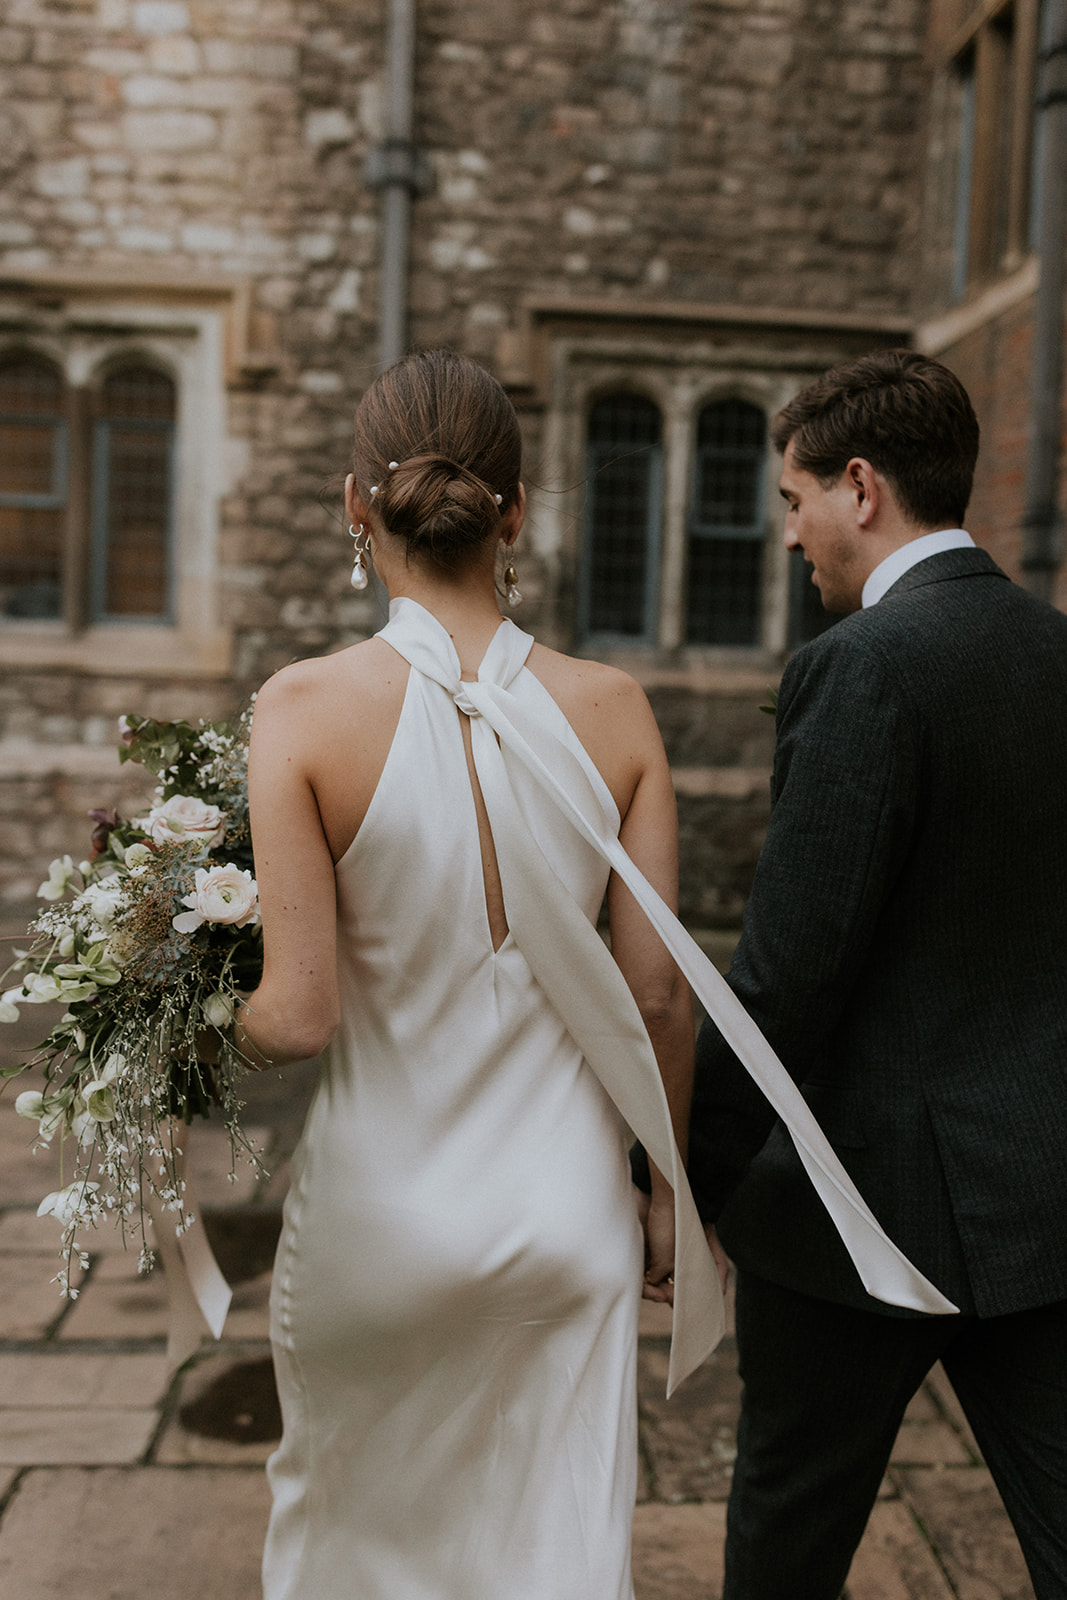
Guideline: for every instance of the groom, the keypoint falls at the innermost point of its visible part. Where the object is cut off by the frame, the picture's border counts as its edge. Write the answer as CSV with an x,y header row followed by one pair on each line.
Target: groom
x,y
905,952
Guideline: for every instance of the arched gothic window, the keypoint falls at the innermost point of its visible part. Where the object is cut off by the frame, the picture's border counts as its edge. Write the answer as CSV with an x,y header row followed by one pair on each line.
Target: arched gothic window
x,y
33,486
133,443
727,525
619,585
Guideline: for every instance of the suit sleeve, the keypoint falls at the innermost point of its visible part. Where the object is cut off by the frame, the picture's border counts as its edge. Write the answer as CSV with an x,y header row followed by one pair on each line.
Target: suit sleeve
x,y
844,797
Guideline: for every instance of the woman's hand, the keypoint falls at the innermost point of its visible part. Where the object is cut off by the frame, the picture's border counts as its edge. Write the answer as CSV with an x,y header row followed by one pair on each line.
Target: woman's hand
x,y
657,1223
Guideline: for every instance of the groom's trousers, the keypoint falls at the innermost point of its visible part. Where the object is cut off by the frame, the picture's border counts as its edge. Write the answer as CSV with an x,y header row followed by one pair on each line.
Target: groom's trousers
x,y
825,1389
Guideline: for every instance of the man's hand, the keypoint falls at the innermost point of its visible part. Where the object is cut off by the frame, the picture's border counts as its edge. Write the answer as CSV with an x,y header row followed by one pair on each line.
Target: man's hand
x,y
722,1266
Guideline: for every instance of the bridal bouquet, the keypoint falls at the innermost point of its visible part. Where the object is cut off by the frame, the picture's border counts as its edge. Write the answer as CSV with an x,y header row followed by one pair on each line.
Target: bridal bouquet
x,y
146,945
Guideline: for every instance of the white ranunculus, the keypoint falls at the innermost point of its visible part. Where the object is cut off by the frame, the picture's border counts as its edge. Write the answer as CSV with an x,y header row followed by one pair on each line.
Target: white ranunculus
x,y
30,1104
59,875
218,1010
220,894
40,989
34,1107
184,819
103,901
83,1125
64,1204
137,855
98,1097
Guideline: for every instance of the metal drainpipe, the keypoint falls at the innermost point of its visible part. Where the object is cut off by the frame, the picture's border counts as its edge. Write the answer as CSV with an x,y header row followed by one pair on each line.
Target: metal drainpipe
x,y
1042,547
400,172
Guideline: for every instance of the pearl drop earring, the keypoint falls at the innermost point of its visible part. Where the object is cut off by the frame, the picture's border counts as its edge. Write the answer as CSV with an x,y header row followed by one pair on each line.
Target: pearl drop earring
x,y
360,577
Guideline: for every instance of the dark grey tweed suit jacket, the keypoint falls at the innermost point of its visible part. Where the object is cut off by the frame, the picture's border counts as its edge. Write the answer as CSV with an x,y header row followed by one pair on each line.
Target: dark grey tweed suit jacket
x,y
905,949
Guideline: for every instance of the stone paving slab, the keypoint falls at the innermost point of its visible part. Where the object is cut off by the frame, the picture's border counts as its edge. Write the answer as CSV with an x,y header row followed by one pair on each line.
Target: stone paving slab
x,y
59,1436
26,1174
119,1303
689,1441
208,1146
23,1232
965,1520
175,1533
677,1551
894,1561
226,1412
924,1444
30,1303
59,1378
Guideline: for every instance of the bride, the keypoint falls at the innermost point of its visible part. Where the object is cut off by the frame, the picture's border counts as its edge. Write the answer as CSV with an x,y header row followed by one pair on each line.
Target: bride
x,y
455,1297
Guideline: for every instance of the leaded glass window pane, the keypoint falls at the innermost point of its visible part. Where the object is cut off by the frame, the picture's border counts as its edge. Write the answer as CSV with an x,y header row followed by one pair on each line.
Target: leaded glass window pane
x,y
33,487
727,525
133,451
618,593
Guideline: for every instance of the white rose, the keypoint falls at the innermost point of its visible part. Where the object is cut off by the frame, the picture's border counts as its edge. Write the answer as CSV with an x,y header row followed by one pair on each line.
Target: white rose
x,y
183,819
220,894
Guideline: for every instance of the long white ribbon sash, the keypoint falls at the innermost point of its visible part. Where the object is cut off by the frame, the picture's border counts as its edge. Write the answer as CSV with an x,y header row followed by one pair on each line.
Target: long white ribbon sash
x,y
198,1295
571,963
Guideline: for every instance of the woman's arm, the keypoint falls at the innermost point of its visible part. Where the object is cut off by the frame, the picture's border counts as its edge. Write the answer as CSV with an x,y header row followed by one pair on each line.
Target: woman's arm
x,y
293,1013
649,834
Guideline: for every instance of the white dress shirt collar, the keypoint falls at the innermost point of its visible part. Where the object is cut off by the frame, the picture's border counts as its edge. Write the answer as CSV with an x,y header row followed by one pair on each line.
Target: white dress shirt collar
x,y
909,555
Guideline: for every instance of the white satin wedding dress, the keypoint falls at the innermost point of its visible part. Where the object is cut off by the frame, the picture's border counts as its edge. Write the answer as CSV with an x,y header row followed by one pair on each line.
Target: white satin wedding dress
x,y
456,1290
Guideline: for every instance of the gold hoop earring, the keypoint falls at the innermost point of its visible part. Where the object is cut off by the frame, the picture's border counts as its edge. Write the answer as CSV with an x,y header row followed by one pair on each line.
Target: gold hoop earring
x,y
360,576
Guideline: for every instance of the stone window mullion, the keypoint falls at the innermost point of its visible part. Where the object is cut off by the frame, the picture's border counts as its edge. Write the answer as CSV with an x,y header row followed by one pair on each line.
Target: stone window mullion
x,y
76,537
677,443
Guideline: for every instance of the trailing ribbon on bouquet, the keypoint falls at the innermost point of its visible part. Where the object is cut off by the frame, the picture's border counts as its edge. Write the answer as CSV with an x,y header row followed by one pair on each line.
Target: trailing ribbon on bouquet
x,y
197,1292
569,960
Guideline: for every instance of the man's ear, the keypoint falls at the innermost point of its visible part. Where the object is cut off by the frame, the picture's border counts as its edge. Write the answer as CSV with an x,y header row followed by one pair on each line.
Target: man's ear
x,y
866,490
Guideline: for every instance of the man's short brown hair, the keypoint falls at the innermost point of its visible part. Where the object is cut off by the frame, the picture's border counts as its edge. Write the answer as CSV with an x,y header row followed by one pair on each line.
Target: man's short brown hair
x,y
907,415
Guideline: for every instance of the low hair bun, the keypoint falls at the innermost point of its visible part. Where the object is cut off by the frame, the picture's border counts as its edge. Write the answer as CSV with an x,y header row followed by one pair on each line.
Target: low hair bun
x,y
438,507
440,439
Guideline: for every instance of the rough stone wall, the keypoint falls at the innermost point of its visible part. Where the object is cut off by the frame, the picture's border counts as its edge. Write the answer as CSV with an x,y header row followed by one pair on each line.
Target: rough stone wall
x,y
753,152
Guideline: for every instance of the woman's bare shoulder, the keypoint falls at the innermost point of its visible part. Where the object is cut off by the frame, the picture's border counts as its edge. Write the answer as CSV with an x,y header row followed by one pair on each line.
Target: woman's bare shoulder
x,y
371,668
591,686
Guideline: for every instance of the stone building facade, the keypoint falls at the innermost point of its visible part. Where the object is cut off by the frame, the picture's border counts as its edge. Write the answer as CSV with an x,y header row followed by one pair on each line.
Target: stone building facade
x,y
653,219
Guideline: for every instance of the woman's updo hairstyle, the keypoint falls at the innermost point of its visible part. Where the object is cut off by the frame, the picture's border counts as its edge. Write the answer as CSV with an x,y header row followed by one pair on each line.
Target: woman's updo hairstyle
x,y
438,441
